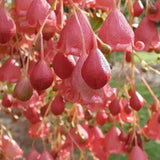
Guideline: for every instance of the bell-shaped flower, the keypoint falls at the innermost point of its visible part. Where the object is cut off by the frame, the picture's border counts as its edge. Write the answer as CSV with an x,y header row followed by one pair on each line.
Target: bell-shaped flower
x,y
96,142
37,12
113,145
46,156
137,8
58,105
33,155
98,149
86,94
7,101
136,100
154,14
101,117
23,89
75,89
126,111
63,65
147,32
50,26
70,40
116,32
20,13
10,71
7,26
137,152
152,128
115,106
10,148
96,70
21,7
41,76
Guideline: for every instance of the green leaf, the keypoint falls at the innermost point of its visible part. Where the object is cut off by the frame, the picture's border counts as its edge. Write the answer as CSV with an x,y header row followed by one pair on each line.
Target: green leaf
x,y
96,22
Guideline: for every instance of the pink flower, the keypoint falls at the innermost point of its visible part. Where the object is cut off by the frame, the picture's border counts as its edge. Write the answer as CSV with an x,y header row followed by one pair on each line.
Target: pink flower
x,y
112,142
138,8
46,156
50,27
98,74
70,40
10,148
10,71
75,89
39,10
20,12
152,128
98,149
147,32
80,87
21,6
126,111
116,32
7,26
155,16
137,152
33,155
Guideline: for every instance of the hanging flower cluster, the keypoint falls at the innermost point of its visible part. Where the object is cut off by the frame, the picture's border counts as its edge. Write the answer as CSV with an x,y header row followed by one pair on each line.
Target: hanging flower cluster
x,y
54,70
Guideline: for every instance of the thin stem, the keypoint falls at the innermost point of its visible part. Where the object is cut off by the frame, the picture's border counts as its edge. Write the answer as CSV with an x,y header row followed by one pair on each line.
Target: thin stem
x,y
82,12
119,4
61,8
147,65
130,11
75,115
33,143
43,120
54,4
73,5
147,85
27,64
81,32
119,76
154,70
150,2
44,144
146,7
125,5
73,140
6,130
42,47
100,41
135,135
93,34
41,29
132,73
148,107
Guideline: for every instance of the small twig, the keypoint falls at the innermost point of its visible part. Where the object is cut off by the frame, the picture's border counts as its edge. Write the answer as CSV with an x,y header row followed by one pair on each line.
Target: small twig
x,y
147,85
